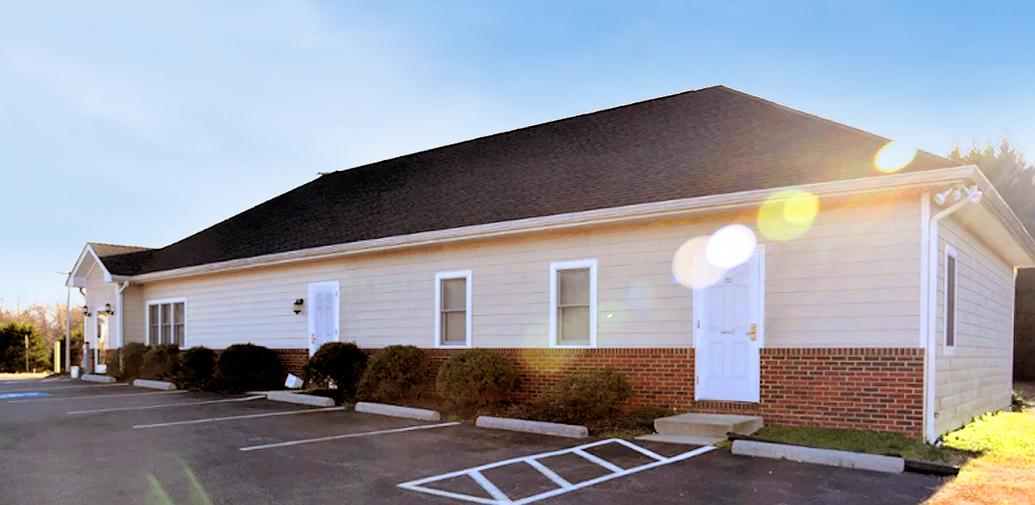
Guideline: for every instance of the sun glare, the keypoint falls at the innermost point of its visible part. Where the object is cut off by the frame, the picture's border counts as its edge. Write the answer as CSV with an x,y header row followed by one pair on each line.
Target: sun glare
x,y
730,246
787,214
691,268
894,156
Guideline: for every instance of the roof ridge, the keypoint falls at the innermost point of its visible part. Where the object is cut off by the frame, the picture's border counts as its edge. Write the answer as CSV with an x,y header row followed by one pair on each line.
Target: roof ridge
x,y
118,245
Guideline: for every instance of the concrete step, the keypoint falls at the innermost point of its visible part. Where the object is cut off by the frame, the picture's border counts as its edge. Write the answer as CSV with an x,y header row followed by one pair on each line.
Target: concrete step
x,y
707,425
681,439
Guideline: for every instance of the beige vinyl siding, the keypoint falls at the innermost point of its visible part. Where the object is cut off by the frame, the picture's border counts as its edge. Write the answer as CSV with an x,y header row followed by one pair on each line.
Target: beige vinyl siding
x,y
133,321
977,376
851,281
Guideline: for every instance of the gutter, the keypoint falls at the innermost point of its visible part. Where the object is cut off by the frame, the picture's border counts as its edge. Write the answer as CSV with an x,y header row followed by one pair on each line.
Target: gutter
x,y
968,196
687,206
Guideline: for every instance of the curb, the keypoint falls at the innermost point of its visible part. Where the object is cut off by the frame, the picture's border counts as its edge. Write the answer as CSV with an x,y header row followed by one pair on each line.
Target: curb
x,y
538,427
384,409
103,379
154,384
829,457
299,398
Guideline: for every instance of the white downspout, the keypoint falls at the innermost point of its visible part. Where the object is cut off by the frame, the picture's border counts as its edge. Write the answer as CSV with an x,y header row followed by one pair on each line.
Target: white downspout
x,y
967,196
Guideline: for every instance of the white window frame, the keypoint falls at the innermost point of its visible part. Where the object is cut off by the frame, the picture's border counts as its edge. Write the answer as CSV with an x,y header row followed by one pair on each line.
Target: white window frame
x,y
161,301
951,252
557,266
439,277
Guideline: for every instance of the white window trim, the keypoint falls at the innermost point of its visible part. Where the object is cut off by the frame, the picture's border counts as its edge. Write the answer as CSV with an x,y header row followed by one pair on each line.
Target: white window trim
x,y
591,264
439,277
950,350
147,318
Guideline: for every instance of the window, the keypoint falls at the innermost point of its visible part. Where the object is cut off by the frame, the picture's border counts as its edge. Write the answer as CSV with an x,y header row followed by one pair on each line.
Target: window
x,y
573,304
166,322
453,309
950,297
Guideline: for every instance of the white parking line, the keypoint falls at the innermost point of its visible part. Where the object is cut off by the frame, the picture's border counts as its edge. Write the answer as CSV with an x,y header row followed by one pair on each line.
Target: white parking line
x,y
55,388
163,405
231,418
563,486
348,435
94,397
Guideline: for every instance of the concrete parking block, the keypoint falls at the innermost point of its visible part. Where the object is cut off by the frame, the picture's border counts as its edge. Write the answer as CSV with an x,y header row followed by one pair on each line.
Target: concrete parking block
x,y
539,427
154,384
844,459
384,409
300,398
104,379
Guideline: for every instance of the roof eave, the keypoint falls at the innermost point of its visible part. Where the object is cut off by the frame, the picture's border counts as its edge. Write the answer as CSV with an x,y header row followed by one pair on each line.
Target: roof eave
x,y
694,205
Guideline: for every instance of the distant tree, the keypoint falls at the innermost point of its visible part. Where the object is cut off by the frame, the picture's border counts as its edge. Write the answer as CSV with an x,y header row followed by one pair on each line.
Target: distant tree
x,y
1008,171
13,351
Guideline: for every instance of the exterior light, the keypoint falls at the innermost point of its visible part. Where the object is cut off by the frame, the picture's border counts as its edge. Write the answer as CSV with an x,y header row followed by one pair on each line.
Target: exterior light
x,y
297,306
86,311
107,310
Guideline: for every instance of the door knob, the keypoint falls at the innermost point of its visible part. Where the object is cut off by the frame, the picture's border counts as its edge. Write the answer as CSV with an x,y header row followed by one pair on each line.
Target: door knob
x,y
753,332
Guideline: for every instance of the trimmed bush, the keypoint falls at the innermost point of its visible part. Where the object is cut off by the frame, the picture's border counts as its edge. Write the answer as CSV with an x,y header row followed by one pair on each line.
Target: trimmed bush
x,y
197,367
584,397
338,362
243,367
161,362
476,378
394,373
125,365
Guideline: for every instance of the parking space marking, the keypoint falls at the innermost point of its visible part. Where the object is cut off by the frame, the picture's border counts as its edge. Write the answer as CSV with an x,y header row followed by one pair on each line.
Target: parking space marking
x,y
563,486
348,435
94,397
55,388
231,418
164,405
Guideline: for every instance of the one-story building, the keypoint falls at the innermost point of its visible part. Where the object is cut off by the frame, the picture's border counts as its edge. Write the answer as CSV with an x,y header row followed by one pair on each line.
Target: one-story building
x,y
726,253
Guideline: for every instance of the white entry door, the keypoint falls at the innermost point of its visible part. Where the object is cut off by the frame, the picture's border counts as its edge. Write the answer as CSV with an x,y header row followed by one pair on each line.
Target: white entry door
x,y
323,314
729,333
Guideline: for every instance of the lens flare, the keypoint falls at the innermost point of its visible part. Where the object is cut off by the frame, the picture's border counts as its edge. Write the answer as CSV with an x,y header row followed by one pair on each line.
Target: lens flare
x,y
730,246
894,156
787,214
690,266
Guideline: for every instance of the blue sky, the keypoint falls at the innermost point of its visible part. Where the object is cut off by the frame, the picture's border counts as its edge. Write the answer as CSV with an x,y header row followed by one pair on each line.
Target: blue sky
x,y
143,122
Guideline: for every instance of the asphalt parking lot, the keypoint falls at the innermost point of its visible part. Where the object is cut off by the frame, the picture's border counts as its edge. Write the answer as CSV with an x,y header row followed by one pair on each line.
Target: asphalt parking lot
x,y
65,441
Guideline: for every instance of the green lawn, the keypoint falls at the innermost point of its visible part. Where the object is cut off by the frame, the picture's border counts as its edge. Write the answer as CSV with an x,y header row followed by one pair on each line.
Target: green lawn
x,y
872,442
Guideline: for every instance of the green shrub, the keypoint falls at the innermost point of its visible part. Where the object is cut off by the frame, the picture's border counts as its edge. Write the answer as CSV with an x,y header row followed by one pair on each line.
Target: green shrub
x,y
476,379
197,367
393,373
584,397
127,362
243,367
161,362
337,362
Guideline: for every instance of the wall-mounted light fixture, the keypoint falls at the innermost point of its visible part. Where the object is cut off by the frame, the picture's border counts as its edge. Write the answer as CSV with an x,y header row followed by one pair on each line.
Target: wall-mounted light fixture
x,y
297,306
86,311
106,310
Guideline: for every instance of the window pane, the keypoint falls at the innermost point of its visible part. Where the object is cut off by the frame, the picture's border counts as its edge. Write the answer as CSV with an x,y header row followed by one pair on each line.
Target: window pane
x,y
574,286
574,322
152,323
178,335
454,294
166,322
950,301
454,327
178,313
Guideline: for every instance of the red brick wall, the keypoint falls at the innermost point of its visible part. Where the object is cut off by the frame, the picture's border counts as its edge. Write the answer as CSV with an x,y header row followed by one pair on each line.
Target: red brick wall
x,y
292,359
878,389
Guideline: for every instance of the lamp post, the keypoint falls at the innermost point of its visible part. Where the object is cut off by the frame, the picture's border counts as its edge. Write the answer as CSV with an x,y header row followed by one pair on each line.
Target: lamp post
x,y
68,324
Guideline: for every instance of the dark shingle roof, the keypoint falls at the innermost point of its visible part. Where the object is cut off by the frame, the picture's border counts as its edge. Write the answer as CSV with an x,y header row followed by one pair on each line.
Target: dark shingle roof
x,y
710,141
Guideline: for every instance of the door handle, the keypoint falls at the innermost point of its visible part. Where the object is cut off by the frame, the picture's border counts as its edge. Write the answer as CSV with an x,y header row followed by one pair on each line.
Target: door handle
x,y
753,332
